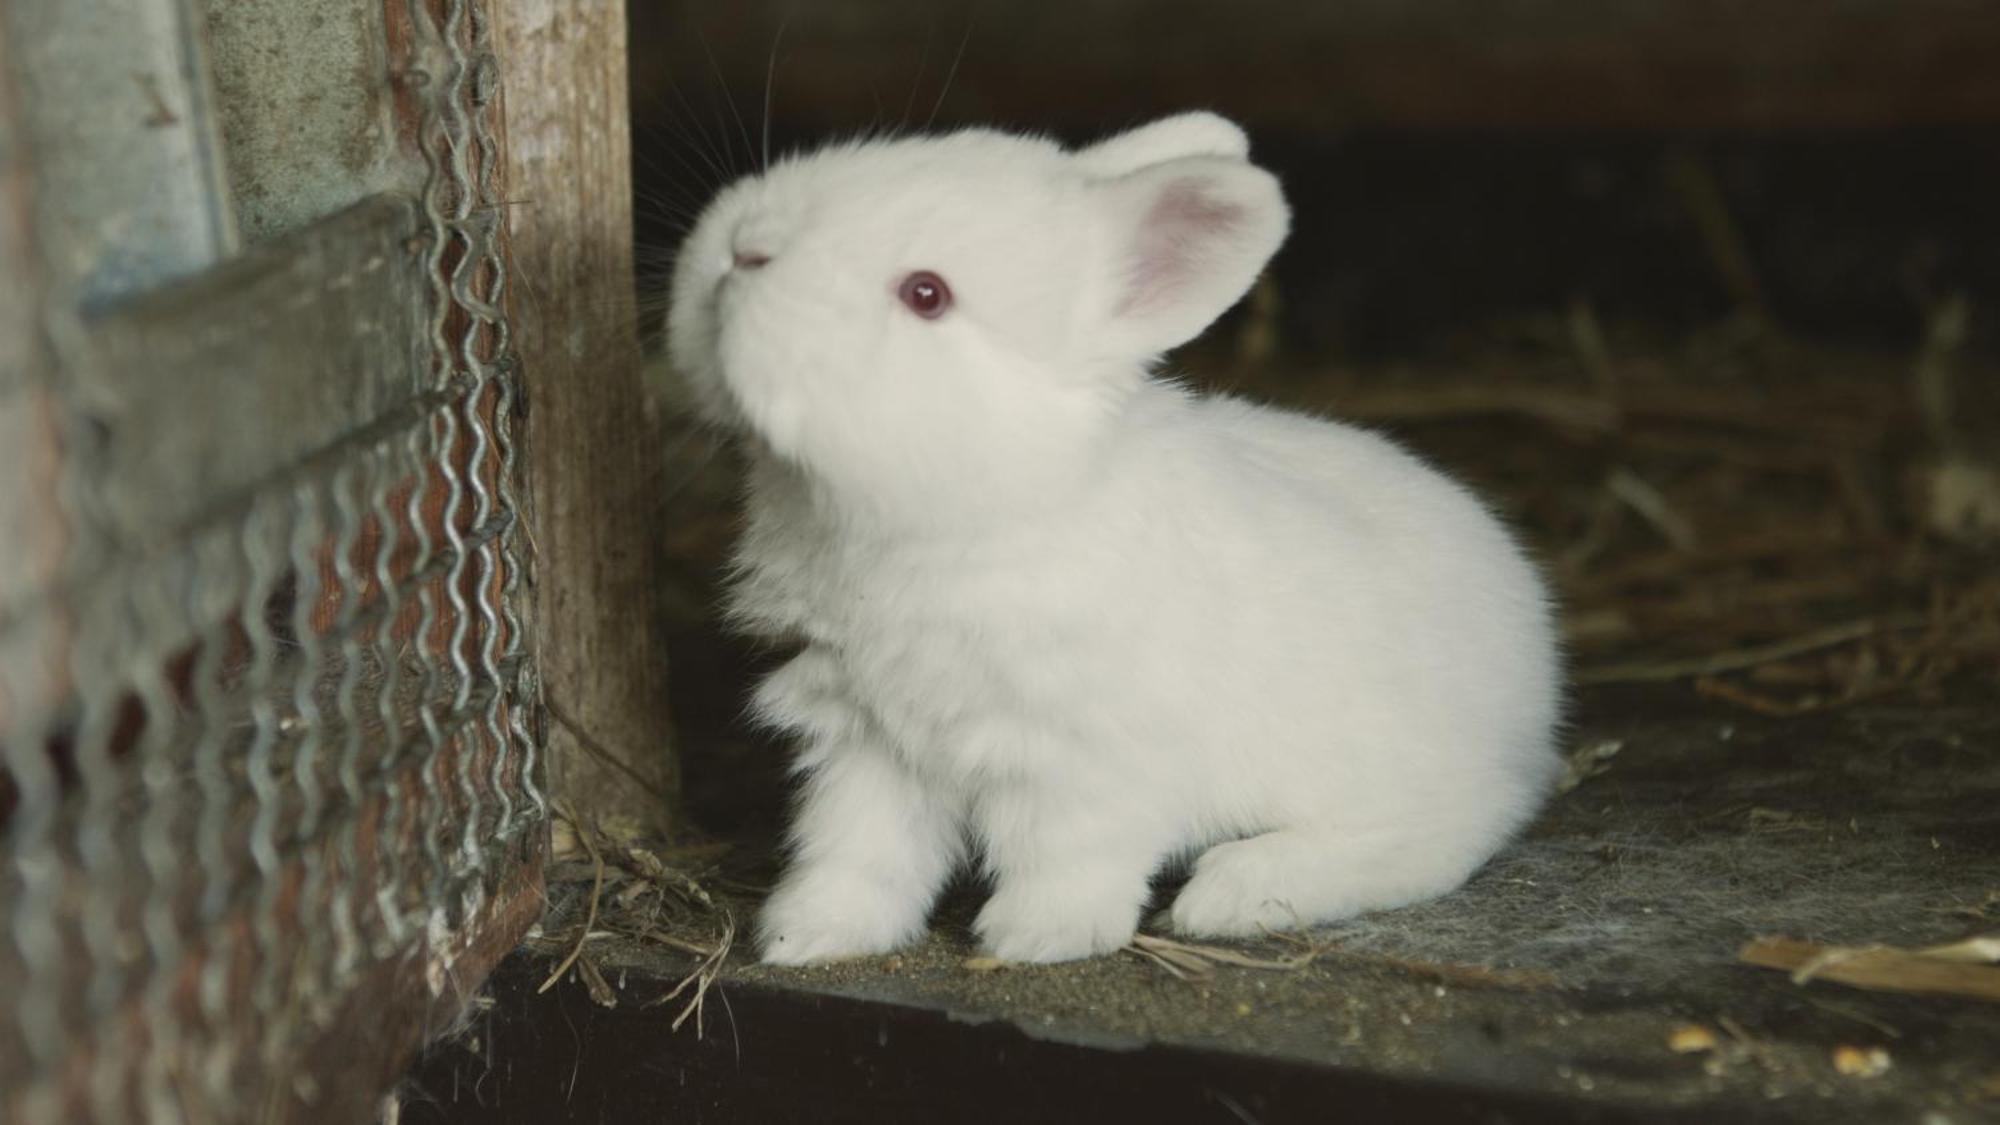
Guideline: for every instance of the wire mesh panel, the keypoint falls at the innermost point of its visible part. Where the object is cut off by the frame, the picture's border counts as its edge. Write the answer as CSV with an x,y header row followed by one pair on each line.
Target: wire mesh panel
x,y
268,741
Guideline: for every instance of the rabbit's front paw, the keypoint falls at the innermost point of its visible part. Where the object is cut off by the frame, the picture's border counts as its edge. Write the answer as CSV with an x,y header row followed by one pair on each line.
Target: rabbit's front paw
x,y
1237,890
1044,923
824,915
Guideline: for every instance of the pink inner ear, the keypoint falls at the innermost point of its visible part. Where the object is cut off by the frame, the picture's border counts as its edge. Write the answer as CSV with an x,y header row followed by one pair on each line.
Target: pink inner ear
x,y
1181,224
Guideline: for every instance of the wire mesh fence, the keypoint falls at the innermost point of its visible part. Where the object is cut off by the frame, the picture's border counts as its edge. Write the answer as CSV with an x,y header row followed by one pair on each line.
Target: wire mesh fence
x,y
268,739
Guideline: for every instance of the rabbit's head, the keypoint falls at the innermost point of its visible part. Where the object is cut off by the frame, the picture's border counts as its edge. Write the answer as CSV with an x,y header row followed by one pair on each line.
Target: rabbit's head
x,y
951,322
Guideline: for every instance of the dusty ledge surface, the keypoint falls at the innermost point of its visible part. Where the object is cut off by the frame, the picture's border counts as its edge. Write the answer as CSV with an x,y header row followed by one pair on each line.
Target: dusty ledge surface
x,y
1563,976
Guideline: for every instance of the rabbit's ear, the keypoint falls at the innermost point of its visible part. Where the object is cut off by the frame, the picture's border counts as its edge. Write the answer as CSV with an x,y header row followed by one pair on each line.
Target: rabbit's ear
x,y
1186,239
1170,138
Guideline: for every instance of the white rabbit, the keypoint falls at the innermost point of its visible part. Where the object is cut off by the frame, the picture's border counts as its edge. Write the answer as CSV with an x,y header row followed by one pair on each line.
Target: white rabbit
x,y
1075,619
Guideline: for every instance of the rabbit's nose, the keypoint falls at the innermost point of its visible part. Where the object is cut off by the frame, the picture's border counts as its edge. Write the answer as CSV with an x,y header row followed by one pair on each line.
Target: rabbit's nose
x,y
749,259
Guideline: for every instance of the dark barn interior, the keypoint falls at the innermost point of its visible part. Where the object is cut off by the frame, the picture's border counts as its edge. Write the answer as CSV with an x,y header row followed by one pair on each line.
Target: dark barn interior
x,y
1706,299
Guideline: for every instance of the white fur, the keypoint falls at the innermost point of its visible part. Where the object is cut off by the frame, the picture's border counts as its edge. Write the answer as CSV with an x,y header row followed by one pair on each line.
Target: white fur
x,y
1081,620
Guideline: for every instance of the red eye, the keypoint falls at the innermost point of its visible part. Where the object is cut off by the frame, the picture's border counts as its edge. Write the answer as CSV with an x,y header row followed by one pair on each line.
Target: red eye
x,y
926,294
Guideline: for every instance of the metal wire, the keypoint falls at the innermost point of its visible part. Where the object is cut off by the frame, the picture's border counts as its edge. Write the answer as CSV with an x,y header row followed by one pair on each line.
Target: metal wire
x,y
246,758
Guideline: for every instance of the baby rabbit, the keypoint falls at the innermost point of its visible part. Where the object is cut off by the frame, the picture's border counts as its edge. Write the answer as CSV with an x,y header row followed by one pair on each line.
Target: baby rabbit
x,y
1071,618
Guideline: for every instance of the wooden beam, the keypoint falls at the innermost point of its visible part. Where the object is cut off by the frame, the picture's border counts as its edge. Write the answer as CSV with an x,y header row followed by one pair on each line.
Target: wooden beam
x,y
593,458
1285,65
409,1001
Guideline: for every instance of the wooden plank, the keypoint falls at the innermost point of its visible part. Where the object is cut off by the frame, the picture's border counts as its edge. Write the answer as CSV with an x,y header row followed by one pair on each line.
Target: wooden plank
x,y
782,1053
1279,64
398,1005
593,457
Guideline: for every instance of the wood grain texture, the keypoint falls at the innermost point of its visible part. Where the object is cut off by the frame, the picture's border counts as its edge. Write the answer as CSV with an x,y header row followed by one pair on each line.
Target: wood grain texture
x,y
593,456
410,1000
